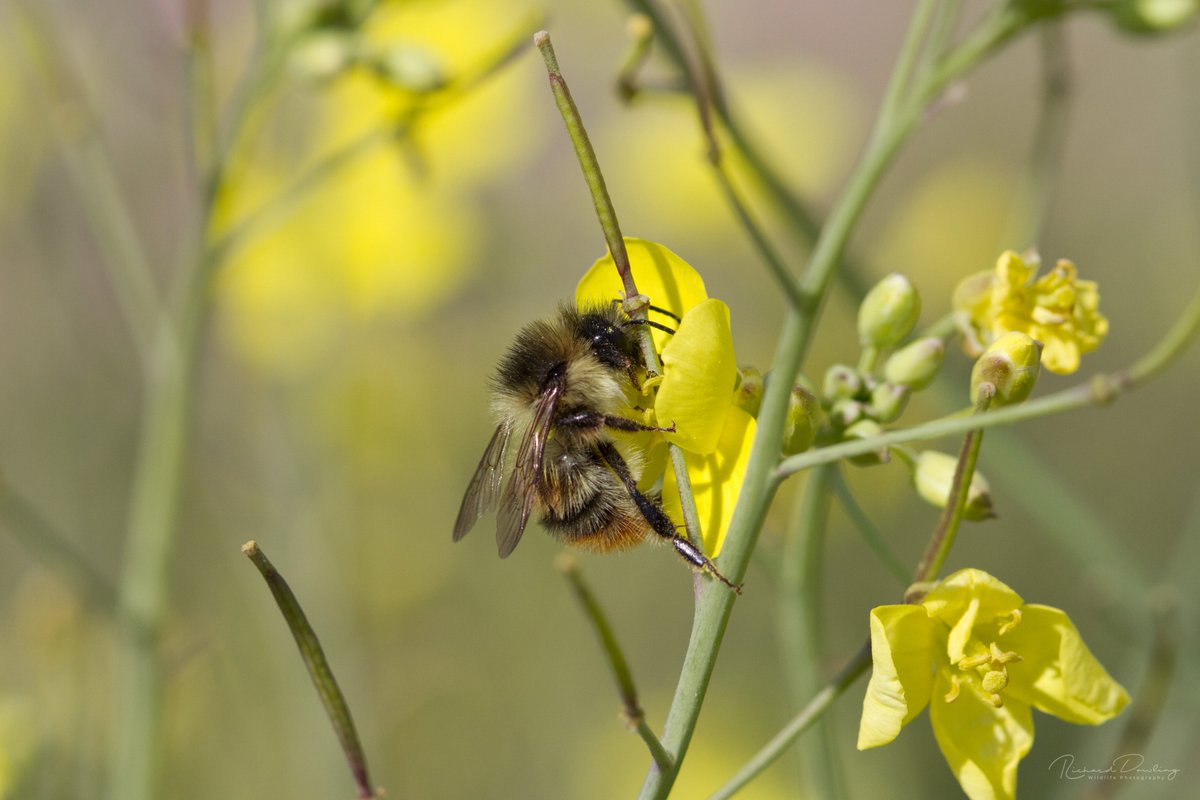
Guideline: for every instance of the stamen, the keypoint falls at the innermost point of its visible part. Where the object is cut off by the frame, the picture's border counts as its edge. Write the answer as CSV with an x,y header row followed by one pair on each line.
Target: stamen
x,y
651,383
1012,623
955,687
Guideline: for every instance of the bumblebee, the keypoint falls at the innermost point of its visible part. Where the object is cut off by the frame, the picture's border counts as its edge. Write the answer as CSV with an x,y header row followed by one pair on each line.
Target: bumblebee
x,y
559,393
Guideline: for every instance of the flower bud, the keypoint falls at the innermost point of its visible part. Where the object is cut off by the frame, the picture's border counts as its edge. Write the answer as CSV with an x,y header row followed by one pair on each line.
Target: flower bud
x,y
888,312
933,475
1010,364
888,401
748,396
845,412
1149,17
409,67
864,429
322,55
842,381
916,365
803,421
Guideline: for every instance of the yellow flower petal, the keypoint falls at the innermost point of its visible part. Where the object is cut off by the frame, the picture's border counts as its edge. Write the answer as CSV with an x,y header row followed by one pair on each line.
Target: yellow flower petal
x,y
716,480
956,595
668,280
1058,673
904,652
982,744
699,375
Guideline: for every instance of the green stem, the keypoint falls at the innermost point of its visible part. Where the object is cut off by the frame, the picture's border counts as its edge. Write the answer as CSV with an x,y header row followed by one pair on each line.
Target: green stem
x,y
930,565
800,629
587,161
314,660
687,500
631,708
770,256
164,439
816,707
204,132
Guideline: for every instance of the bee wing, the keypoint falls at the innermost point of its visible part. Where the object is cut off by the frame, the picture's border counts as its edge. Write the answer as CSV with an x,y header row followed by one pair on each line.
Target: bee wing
x,y
484,490
517,503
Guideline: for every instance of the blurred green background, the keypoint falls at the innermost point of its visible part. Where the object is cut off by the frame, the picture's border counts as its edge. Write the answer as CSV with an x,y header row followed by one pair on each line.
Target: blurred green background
x,y
343,393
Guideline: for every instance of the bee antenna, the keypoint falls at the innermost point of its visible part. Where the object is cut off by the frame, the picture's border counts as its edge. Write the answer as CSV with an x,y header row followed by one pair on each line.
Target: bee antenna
x,y
664,312
651,323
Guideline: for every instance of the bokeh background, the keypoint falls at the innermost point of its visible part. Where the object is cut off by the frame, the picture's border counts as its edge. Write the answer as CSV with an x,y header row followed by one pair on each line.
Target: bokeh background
x,y
343,396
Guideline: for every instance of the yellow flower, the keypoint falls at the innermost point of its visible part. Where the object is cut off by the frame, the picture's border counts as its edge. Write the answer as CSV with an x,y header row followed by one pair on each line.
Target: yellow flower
x,y
980,658
696,392
1056,309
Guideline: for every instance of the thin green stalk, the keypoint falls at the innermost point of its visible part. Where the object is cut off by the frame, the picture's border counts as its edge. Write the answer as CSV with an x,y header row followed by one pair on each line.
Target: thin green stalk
x,y
641,30
770,256
1099,390
204,132
870,534
687,500
816,707
313,656
800,629
164,439
792,207
930,565
706,90
587,161
631,708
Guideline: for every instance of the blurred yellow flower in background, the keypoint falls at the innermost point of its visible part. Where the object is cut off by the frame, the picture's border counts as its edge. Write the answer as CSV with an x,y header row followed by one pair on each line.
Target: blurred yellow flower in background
x,y
1057,309
396,231
805,118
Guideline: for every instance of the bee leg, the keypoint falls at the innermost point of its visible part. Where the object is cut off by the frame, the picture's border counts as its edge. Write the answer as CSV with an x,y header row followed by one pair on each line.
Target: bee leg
x,y
588,420
658,519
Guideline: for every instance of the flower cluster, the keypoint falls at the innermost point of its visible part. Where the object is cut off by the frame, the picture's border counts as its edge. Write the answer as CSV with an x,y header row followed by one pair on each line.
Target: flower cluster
x,y
1056,309
697,386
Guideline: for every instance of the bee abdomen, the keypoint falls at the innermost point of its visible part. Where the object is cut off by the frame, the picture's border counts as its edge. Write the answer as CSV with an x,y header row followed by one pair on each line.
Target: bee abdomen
x,y
598,519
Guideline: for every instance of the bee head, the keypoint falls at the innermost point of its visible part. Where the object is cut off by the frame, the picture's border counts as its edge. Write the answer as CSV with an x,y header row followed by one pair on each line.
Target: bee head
x,y
608,340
